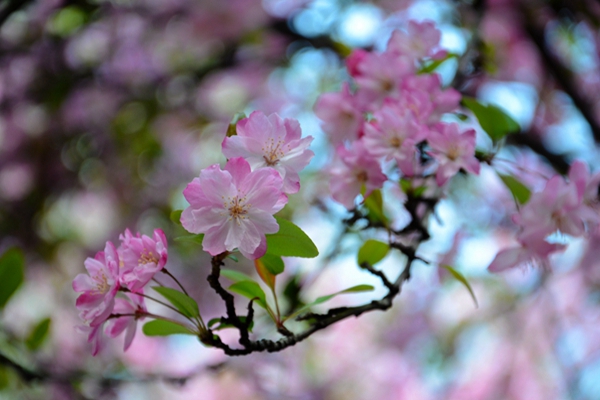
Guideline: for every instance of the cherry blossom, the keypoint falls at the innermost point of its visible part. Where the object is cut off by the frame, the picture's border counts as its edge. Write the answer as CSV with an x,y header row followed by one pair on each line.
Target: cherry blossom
x,y
234,207
453,150
271,142
100,287
354,169
141,257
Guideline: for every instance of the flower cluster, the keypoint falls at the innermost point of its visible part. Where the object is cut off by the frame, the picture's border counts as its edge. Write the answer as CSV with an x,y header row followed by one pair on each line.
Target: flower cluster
x,y
234,207
564,207
127,268
394,115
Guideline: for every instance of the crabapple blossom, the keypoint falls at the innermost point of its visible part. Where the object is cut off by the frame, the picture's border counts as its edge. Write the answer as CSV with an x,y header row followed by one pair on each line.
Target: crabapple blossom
x,y
234,207
453,150
559,207
394,133
354,169
437,101
95,336
532,251
100,287
271,142
381,76
132,310
141,257
342,120
421,41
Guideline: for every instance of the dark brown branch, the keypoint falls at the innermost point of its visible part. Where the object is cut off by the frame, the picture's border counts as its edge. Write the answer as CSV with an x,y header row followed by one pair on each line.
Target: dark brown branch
x,y
563,75
334,315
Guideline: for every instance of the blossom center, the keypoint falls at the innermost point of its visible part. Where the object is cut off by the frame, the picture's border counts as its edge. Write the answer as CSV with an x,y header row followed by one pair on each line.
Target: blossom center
x,y
396,142
148,257
453,153
102,285
362,176
273,152
237,208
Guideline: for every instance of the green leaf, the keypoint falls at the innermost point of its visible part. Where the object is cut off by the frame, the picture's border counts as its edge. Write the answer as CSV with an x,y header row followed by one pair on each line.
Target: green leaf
x,y
5,378
66,21
235,276
225,325
190,238
184,303
38,334
11,274
460,277
372,251
323,299
160,327
290,241
251,290
520,192
232,128
266,275
434,64
175,216
492,119
273,264
374,204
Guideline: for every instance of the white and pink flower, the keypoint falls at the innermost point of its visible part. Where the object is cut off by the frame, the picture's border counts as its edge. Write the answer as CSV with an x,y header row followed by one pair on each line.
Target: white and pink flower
x,y
131,312
271,142
234,207
100,287
354,169
453,150
141,257
394,133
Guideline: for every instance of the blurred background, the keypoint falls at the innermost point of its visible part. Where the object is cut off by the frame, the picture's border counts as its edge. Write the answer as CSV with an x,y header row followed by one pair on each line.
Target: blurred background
x,y
108,108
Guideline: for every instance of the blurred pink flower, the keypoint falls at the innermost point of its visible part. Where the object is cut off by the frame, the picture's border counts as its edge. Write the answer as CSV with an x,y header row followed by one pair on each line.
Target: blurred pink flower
x,y
271,142
394,133
234,207
341,117
421,41
430,86
453,150
128,323
141,257
100,287
355,167
381,76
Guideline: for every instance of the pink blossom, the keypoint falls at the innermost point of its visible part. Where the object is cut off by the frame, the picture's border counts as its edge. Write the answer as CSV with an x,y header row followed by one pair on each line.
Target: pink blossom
x,y
95,336
354,60
420,42
452,150
354,170
271,142
530,252
134,310
141,258
394,133
340,114
381,76
440,101
558,207
234,207
100,287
